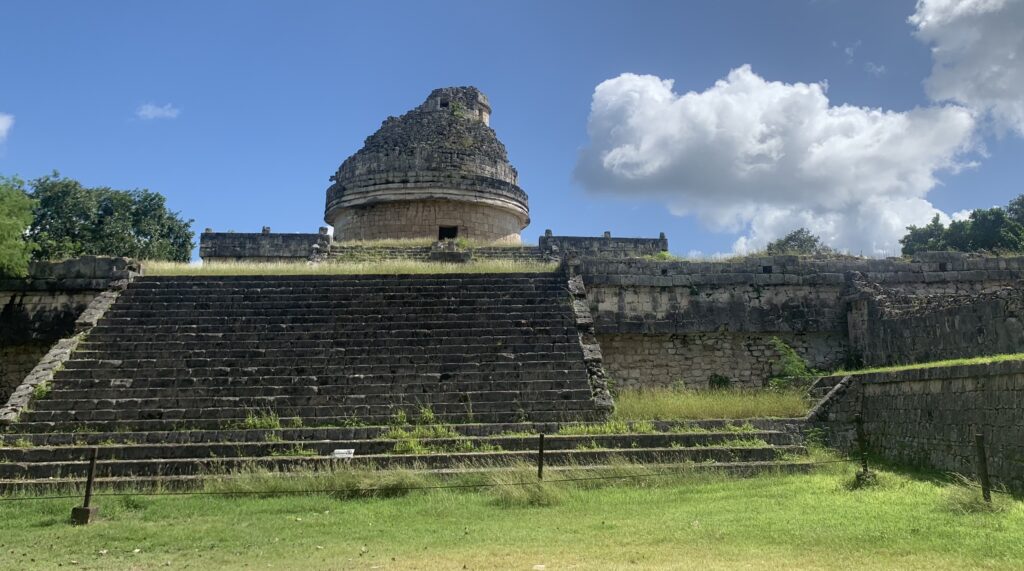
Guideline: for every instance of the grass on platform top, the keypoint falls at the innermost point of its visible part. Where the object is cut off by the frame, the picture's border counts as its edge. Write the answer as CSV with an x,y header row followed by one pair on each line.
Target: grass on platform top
x,y
672,404
771,521
932,364
392,267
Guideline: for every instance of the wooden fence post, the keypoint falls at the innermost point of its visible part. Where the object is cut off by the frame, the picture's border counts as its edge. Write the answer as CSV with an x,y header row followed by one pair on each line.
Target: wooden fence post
x,y
986,484
85,514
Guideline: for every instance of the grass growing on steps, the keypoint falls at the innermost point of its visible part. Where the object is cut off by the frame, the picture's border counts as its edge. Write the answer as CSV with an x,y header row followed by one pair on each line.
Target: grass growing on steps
x,y
770,521
931,364
387,267
671,404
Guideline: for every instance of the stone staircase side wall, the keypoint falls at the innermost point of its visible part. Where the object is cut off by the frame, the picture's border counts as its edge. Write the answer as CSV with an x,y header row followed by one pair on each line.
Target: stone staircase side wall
x,y
54,303
592,356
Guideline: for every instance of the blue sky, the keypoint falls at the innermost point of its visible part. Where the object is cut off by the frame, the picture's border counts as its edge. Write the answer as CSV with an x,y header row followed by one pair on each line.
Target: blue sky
x,y
263,100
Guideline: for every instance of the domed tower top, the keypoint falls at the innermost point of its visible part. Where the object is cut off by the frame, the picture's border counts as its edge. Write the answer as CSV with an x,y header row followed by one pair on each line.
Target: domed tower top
x,y
438,171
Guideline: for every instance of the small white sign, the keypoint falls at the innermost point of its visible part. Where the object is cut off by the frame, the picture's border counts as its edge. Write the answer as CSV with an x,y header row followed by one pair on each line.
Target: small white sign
x,y
343,453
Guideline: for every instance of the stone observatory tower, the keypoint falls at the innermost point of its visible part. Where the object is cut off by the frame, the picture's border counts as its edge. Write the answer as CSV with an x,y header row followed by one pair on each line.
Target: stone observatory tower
x,y
437,172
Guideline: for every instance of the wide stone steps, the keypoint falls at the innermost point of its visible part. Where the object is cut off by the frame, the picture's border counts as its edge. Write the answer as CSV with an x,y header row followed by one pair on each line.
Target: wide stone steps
x,y
329,324
342,299
324,334
260,388
469,414
448,409
284,402
369,384
162,352
362,447
453,369
354,430
208,466
342,361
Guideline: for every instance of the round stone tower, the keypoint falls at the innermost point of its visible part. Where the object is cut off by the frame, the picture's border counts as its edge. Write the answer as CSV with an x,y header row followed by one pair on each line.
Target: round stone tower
x,y
437,172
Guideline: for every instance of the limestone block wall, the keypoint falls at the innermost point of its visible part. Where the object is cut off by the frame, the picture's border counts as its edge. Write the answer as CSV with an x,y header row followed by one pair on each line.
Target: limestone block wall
x,y
928,417
690,359
422,218
662,321
261,247
602,247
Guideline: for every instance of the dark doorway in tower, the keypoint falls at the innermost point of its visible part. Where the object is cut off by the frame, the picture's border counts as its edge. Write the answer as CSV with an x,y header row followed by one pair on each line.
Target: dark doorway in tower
x,y
447,232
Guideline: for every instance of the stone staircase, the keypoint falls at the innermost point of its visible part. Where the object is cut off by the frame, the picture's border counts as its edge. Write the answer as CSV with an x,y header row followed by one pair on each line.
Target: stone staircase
x,y
186,376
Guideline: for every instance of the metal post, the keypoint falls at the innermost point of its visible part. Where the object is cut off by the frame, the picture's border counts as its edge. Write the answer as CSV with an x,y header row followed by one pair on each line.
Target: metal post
x,y
540,458
986,484
862,443
85,514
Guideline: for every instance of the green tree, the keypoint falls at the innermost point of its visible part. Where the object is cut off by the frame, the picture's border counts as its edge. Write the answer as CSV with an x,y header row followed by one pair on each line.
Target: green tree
x,y
72,220
993,230
1015,209
928,238
15,217
799,241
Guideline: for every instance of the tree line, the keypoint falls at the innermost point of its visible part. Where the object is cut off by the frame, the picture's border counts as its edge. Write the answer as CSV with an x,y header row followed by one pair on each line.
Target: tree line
x,y
56,218
997,230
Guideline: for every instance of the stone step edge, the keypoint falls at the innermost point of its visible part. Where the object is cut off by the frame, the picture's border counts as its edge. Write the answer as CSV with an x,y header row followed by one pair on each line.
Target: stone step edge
x,y
547,427
793,448
484,438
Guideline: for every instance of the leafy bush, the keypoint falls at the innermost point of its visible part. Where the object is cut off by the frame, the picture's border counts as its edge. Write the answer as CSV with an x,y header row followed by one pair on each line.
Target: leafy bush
x,y
791,372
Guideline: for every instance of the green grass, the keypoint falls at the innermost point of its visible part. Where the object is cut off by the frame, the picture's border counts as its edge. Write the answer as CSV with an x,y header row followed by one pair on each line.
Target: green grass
x,y
606,428
388,267
685,522
672,404
931,364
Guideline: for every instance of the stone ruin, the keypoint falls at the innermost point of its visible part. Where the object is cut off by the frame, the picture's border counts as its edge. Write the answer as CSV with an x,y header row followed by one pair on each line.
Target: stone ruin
x,y
141,358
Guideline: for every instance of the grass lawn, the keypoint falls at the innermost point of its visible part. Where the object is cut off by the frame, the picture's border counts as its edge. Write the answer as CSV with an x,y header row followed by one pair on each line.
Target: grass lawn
x,y
946,363
766,522
669,404
389,267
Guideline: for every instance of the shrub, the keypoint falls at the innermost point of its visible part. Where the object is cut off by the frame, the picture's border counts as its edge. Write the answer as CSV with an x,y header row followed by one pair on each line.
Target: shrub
x,y
718,382
791,372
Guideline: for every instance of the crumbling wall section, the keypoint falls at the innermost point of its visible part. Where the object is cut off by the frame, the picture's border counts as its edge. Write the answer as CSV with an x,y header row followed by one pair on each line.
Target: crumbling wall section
x,y
888,327
662,322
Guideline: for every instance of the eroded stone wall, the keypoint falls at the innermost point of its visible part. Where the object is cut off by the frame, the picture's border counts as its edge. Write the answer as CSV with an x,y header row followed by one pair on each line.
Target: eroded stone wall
x,y
660,322
689,360
887,327
16,361
602,247
928,417
422,218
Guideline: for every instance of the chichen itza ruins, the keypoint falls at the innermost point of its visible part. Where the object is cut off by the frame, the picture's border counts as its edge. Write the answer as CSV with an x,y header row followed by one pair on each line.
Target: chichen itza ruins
x,y
181,372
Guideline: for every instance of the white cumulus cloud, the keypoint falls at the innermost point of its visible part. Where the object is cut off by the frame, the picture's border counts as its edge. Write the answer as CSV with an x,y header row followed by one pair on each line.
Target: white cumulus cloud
x,y
6,122
765,157
153,111
977,56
